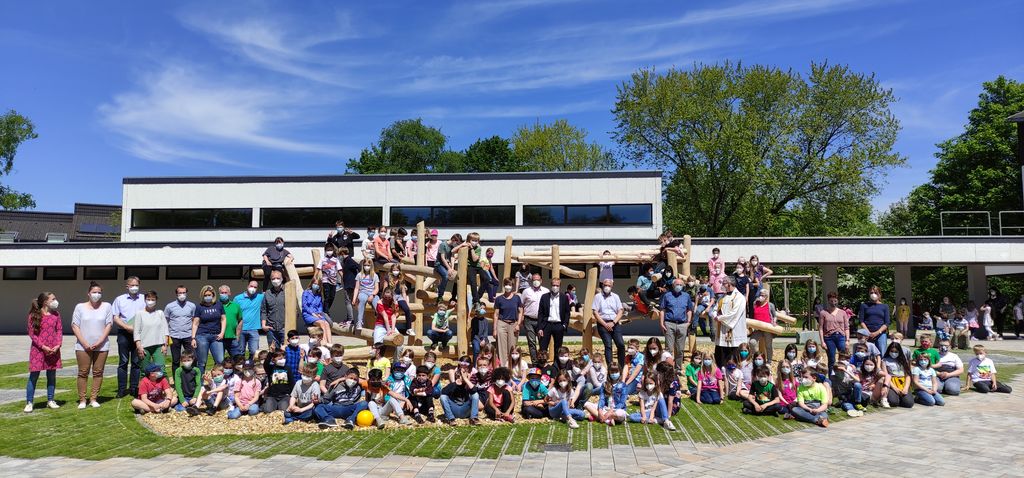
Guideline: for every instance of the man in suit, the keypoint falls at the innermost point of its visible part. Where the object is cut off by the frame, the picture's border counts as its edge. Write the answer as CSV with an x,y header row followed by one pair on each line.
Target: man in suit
x,y
552,316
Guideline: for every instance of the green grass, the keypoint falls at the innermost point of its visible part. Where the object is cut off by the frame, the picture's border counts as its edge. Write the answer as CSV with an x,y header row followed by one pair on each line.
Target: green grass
x,y
113,431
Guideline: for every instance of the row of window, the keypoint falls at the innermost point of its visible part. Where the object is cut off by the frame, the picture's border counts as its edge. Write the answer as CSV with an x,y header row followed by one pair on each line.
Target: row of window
x,y
437,216
111,272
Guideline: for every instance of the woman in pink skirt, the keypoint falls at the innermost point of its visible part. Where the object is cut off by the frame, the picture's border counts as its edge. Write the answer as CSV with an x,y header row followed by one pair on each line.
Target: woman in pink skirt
x,y
46,333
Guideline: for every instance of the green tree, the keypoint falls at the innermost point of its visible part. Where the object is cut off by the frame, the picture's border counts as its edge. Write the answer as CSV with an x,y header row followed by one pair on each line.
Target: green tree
x,y
760,150
558,146
14,130
407,146
976,169
493,154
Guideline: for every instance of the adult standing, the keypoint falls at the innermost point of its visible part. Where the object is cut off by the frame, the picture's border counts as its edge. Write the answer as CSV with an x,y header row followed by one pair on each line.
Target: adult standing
x,y
275,258
531,306
151,334
764,311
46,333
272,311
552,317
730,321
180,312
607,307
997,302
232,321
874,316
835,328
124,308
676,313
91,323
249,303
508,316
208,329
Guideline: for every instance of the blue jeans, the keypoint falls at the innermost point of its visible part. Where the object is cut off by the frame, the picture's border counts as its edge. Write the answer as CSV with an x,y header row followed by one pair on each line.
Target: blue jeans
x,y
855,396
440,338
250,340
276,337
805,416
562,409
30,388
660,413
882,341
443,273
929,399
710,396
235,413
454,410
127,362
950,386
328,412
834,343
233,347
304,416
206,344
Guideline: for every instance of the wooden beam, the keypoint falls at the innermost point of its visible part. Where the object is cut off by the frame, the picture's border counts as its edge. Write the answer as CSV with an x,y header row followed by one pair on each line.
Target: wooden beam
x,y
304,271
673,260
563,270
687,248
365,334
421,261
358,355
462,315
295,285
555,265
588,313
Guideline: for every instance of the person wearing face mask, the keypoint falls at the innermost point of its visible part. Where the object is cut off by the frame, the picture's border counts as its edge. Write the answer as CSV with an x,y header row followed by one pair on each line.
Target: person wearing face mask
x,y
334,369
764,311
124,308
246,393
342,236
874,316
396,243
459,398
188,383
313,313
412,245
534,395
46,334
552,316
382,247
179,313
272,310
716,260
531,310
981,373
330,272
811,400
155,393
249,302
758,273
508,316
305,395
897,368
903,316
344,400
401,288
730,321
763,398
233,321
676,314
280,381
275,258
347,282
151,333
926,384
835,328
208,328
91,323
997,305
444,263
561,393
607,307
368,286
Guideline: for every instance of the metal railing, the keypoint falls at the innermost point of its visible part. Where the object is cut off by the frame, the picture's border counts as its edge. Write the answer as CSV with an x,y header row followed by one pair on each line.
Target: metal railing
x,y
1018,229
986,229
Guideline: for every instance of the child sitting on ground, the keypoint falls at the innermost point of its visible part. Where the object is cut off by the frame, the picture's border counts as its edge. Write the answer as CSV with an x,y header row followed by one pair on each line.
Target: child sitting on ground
x,y
304,396
499,397
606,410
421,394
735,387
981,372
215,390
846,386
652,406
155,393
811,400
247,393
517,367
559,396
787,384
710,383
398,384
334,370
280,382
873,383
668,383
763,398
692,368
376,395
926,382
534,394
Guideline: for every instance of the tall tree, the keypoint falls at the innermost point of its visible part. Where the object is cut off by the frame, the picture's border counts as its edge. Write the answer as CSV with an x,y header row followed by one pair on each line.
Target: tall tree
x,y
976,169
760,150
558,146
493,154
406,146
14,130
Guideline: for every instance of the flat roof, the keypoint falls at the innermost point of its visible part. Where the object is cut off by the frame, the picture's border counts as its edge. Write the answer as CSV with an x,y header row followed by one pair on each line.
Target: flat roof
x,y
522,176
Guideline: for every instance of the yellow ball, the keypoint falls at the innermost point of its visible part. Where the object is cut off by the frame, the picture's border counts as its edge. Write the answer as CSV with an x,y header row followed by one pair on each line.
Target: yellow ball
x,y
364,419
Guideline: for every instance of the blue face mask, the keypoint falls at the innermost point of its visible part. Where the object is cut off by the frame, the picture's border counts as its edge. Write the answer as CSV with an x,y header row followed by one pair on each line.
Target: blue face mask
x,y
534,382
370,234
812,350
224,297
744,354
615,376
586,358
314,287
398,375
758,362
228,372
707,362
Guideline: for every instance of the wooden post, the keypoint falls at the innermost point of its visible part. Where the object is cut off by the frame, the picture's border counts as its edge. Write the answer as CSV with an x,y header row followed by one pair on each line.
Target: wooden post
x,y
506,269
687,246
462,314
556,264
673,260
588,314
421,261
293,303
785,294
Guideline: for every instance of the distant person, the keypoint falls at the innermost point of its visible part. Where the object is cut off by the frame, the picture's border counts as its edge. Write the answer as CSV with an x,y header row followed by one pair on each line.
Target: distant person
x,y
249,302
46,333
874,316
124,308
151,333
275,258
272,311
342,236
91,323
608,308
208,328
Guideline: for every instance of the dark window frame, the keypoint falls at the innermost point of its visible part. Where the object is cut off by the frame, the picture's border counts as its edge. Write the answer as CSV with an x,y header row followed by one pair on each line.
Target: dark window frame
x,y
377,212
439,216
171,272
50,272
566,217
143,272
99,273
8,275
244,222
225,276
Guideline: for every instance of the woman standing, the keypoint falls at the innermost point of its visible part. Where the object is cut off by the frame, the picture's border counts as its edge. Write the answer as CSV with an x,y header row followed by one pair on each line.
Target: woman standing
x,y
835,329
151,333
874,316
903,317
91,323
46,333
208,328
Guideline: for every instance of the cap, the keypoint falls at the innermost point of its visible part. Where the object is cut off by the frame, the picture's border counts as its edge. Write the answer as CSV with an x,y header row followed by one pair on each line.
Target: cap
x,y
153,368
433,232
863,332
533,371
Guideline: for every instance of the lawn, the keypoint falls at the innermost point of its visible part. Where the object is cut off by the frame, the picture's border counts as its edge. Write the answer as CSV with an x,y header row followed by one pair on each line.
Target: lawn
x,y
113,431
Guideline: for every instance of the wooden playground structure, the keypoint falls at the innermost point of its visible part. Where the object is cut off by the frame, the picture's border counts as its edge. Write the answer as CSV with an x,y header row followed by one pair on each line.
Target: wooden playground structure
x,y
573,264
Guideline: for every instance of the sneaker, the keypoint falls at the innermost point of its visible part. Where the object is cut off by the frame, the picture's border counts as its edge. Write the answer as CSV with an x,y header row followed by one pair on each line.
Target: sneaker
x,y
380,426
474,422
418,418
192,411
94,404
854,413
28,408
120,394
859,407
349,425
410,333
431,418
81,405
885,402
405,420
572,423
52,404
327,426
668,425
211,411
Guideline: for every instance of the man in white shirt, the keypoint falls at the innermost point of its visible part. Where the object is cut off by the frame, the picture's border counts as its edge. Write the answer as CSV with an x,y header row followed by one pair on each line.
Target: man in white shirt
x,y
531,305
552,317
607,308
730,321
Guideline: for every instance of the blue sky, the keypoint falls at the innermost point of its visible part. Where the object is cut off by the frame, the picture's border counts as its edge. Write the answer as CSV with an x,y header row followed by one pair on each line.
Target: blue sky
x,y
207,88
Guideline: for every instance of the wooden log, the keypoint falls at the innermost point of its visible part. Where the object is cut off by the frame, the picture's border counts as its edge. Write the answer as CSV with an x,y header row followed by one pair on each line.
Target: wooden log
x,y
462,315
765,327
555,265
359,355
687,248
411,270
365,334
784,317
673,260
295,285
588,313
563,270
506,268
421,261
304,271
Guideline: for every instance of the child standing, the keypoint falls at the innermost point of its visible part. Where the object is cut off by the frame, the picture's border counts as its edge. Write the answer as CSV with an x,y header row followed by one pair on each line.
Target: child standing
x,y
303,397
981,372
155,394
812,400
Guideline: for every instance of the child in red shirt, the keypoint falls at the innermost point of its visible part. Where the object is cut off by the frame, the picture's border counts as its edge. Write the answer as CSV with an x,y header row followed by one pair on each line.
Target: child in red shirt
x,y
155,393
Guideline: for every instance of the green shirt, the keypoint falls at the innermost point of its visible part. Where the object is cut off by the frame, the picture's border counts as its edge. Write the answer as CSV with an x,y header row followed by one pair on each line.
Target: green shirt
x,y
933,354
691,375
479,255
441,320
815,393
234,314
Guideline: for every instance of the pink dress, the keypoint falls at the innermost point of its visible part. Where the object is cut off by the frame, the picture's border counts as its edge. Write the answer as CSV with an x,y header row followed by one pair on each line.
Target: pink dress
x,y
51,334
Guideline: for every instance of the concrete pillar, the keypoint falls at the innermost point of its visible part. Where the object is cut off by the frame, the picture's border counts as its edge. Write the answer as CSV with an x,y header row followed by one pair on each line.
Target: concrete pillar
x,y
829,280
977,283
903,285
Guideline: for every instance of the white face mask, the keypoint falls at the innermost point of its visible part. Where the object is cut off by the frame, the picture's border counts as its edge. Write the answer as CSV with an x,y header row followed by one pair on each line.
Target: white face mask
x,y
554,289
429,365
281,362
276,282
508,288
980,357
251,291
95,296
53,305
563,359
311,359
366,268
607,289
563,384
182,297
482,370
894,354
650,387
873,297
349,382
328,253
515,356
337,360
806,382
536,284
869,368
306,379
762,380
150,303
499,383
293,341
396,273
133,289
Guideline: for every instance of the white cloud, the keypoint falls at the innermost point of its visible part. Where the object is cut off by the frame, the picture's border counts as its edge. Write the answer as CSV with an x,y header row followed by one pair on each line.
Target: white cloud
x,y
514,111
178,112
